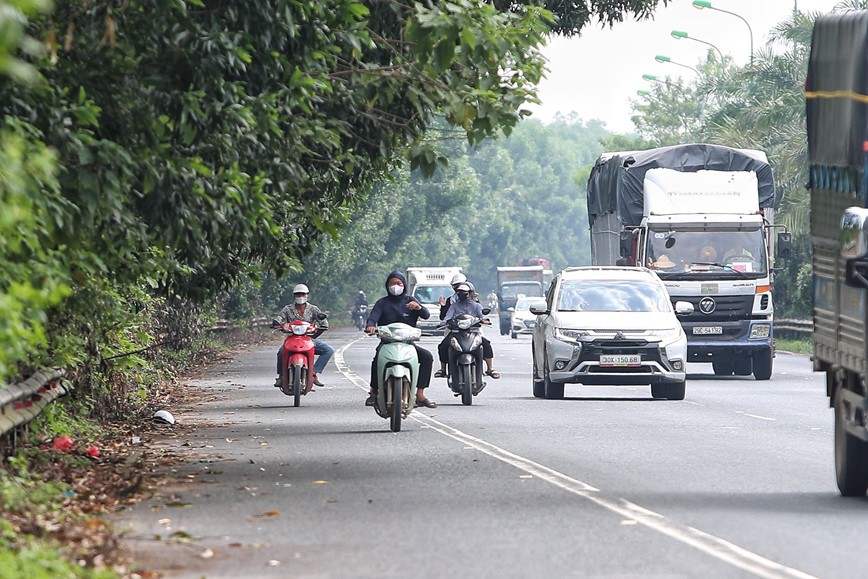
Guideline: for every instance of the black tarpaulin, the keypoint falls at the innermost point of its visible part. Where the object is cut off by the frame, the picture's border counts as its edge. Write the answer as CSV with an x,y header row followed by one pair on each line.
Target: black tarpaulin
x,y
836,89
617,179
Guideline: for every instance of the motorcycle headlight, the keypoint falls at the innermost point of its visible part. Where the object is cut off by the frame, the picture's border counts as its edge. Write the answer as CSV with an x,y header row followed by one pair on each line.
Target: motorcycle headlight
x,y
464,324
299,329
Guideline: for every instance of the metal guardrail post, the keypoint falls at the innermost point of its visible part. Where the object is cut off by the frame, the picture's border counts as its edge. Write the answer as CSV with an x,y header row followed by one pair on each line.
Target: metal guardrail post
x,y
22,402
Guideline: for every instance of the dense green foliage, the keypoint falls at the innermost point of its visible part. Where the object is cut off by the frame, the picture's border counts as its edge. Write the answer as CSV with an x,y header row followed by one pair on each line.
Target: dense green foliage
x,y
159,152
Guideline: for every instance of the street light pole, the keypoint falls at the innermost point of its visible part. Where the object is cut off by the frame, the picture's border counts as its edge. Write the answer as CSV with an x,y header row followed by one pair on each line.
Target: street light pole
x,y
662,58
700,4
679,34
651,77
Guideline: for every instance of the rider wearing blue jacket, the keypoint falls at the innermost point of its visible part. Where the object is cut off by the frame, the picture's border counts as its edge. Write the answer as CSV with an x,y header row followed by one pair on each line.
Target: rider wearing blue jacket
x,y
397,306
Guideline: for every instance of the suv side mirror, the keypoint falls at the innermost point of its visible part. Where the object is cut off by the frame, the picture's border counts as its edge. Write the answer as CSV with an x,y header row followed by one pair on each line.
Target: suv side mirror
x,y
539,310
683,308
785,244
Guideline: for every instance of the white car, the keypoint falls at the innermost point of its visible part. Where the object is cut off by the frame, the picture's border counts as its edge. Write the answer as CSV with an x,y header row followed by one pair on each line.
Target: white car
x,y
609,326
523,319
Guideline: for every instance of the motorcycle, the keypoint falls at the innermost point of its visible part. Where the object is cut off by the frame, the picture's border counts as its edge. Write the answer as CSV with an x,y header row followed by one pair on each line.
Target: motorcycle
x,y
464,374
296,376
360,316
397,373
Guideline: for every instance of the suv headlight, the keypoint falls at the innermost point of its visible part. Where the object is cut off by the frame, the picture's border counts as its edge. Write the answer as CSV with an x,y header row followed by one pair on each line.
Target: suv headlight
x,y
668,336
571,336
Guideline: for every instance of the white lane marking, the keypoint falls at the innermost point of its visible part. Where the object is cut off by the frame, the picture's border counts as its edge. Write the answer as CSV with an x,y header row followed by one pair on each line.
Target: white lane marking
x,y
743,413
709,544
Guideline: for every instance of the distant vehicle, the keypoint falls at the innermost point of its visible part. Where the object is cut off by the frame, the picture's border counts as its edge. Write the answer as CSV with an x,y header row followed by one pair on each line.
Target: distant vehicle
x,y
514,282
428,285
609,326
523,319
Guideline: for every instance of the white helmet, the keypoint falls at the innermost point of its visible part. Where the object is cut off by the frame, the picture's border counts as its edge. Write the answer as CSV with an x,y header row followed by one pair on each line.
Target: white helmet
x,y
463,287
458,278
163,417
300,289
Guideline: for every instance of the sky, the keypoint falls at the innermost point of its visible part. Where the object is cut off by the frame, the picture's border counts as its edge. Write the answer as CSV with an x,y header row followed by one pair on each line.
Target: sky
x,y
595,74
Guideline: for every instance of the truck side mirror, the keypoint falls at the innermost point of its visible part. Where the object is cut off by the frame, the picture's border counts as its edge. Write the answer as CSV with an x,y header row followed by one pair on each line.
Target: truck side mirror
x,y
626,243
785,244
854,246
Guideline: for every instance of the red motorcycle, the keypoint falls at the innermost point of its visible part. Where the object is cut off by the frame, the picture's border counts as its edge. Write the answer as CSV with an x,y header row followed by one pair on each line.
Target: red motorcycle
x,y
296,376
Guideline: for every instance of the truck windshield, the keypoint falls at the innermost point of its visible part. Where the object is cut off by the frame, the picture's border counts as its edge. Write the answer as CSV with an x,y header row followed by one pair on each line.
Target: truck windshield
x,y
430,294
707,253
514,290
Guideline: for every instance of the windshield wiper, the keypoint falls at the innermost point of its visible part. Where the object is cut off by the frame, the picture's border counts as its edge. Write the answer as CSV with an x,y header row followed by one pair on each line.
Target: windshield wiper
x,y
721,265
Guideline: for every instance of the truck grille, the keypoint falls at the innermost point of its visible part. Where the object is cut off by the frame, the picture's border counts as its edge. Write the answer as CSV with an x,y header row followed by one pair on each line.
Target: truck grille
x,y
726,308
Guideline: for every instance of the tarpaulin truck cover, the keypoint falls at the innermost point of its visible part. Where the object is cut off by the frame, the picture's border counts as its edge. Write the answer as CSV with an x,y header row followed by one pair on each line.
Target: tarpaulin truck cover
x,y
616,182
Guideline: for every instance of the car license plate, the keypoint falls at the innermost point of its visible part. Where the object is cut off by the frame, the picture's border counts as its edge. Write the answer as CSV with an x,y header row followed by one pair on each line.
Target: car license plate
x,y
704,330
620,360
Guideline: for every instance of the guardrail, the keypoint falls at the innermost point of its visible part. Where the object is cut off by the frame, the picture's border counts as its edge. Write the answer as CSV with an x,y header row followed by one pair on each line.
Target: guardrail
x,y
802,328
22,402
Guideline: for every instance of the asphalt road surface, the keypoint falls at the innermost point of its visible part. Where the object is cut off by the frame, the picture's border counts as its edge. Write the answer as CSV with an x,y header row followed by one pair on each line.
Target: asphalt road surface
x,y
737,480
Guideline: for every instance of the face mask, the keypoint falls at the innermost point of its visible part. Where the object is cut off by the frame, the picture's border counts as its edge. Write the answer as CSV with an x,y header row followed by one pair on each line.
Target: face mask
x,y
396,290
300,301
463,296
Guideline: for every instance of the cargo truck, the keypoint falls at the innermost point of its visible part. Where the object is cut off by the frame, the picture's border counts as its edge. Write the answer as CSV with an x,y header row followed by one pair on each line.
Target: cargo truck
x,y
702,216
836,93
515,281
428,285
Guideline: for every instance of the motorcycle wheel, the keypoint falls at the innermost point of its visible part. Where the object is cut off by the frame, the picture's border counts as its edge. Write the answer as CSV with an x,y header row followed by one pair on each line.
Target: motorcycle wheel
x,y
396,387
465,384
295,377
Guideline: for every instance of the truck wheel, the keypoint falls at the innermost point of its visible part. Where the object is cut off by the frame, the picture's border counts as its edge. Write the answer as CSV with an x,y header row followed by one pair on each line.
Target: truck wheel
x,y
539,388
722,367
851,454
762,365
553,390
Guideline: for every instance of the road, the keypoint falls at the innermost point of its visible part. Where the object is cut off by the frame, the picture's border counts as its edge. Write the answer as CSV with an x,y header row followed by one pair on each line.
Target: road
x,y
737,480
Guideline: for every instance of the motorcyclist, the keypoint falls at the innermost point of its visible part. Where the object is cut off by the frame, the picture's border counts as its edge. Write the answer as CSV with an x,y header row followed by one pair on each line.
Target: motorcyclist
x,y
300,309
468,294
397,306
361,300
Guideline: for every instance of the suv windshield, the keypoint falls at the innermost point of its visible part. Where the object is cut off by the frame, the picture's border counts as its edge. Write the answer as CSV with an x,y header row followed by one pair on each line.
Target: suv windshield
x,y
707,253
612,296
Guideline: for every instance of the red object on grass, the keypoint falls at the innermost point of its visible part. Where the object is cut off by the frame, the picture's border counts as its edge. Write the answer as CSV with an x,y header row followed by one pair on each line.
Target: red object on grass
x,y
63,443
92,451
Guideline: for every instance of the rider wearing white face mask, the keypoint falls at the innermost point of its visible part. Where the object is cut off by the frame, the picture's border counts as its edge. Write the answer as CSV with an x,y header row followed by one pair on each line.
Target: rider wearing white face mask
x,y
301,310
400,307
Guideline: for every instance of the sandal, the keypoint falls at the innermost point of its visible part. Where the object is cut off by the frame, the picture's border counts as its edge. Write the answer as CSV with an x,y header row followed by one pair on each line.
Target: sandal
x,y
439,374
372,399
427,403
494,374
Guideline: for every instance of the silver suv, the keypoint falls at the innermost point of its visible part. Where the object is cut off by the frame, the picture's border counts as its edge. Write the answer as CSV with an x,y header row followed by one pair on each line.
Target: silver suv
x,y
609,326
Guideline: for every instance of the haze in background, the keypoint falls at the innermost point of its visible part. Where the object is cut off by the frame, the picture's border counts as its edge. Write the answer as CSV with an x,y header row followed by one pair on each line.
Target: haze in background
x,y
595,74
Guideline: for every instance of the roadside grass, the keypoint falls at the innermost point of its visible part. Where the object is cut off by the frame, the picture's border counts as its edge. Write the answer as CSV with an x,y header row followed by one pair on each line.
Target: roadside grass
x,y
802,346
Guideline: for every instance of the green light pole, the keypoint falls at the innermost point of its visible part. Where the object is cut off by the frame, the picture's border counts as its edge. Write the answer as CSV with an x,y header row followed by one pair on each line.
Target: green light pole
x,y
651,77
679,34
662,58
702,4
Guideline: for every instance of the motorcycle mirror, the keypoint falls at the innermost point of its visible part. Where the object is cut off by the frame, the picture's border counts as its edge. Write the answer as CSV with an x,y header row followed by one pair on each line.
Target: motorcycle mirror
x,y
486,311
275,324
322,316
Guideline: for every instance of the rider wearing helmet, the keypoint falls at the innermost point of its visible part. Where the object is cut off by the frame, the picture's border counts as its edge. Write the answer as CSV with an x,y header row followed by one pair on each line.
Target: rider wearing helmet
x,y
361,299
464,292
300,309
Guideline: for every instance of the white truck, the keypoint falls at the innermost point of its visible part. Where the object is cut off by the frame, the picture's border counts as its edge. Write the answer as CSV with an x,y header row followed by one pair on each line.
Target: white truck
x,y
428,285
514,281
702,217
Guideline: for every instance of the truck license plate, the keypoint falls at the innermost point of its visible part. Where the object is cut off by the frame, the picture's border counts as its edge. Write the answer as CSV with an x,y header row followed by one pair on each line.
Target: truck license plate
x,y
703,330
620,360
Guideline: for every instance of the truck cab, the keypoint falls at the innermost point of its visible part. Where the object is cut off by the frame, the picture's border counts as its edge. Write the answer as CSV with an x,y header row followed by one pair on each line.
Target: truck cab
x,y
428,285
